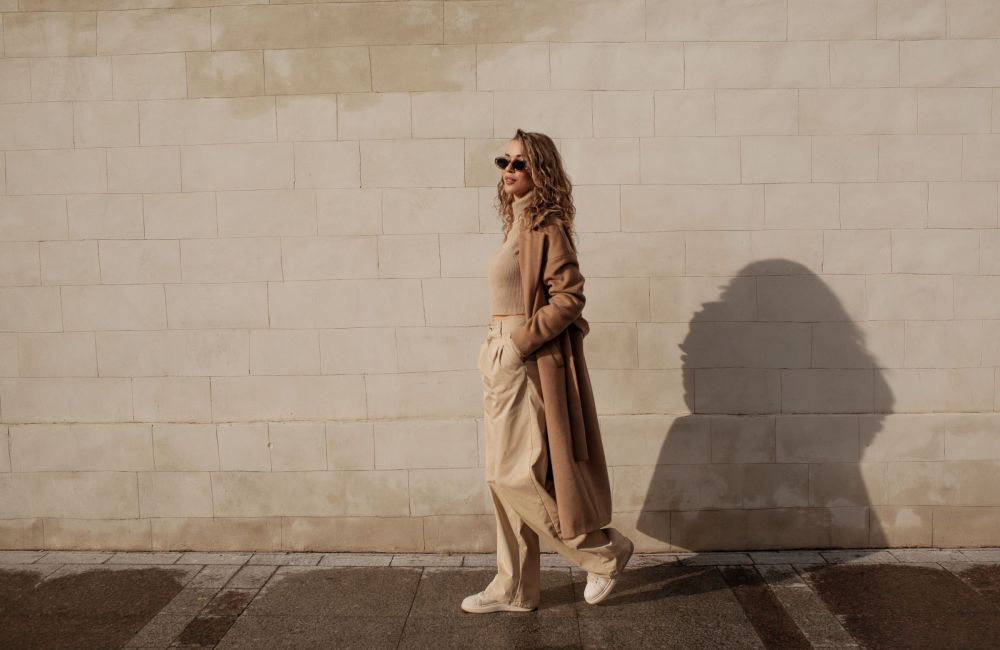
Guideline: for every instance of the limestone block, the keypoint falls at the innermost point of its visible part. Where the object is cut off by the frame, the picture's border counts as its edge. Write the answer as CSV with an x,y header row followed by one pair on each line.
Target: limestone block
x,y
401,163
185,447
304,25
867,344
449,114
687,112
617,345
944,344
919,158
57,171
225,74
358,534
640,440
284,352
307,117
66,399
742,439
455,491
439,348
358,350
425,444
864,63
82,447
931,390
88,534
617,66
558,113
429,211
216,533
310,494
150,76
690,160
844,159
207,120
243,447
154,30
775,159
308,71
57,354
242,399
715,20
85,78
176,215
69,262
175,494
848,484
237,259
603,20
857,111
349,211
50,33
350,445
802,64
217,305
167,399
512,66
106,124
239,166
454,393
962,205
858,251
954,62
345,303
173,353
144,169
297,446
41,125
126,261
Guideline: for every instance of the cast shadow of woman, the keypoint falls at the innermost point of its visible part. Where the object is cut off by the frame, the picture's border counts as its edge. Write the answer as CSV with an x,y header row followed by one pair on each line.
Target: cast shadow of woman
x,y
784,399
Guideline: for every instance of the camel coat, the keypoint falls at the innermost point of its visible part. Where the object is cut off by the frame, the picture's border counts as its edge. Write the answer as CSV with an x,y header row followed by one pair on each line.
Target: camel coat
x,y
553,304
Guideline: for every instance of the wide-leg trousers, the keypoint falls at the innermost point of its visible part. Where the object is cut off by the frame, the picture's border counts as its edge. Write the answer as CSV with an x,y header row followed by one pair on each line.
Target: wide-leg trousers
x,y
516,467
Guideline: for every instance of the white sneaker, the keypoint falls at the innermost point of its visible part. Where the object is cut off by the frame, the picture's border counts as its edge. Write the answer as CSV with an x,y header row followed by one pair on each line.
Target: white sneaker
x,y
598,587
481,604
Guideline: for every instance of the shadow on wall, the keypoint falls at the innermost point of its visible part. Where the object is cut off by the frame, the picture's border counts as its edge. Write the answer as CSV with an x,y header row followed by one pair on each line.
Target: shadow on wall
x,y
780,378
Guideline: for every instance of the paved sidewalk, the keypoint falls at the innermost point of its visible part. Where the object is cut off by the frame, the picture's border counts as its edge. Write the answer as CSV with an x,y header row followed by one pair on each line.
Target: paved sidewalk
x,y
913,598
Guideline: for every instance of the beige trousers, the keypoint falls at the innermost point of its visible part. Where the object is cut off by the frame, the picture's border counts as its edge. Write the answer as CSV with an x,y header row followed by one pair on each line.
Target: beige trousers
x,y
516,467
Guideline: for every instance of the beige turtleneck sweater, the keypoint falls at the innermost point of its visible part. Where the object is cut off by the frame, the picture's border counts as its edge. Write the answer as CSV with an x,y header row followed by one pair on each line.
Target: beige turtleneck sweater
x,y
504,271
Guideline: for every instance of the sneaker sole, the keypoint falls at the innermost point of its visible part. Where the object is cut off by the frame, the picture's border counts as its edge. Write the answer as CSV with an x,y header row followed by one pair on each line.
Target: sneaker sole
x,y
497,607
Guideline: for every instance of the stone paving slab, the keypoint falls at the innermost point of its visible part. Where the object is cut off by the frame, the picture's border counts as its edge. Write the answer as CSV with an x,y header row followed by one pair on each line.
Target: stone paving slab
x,y
845,598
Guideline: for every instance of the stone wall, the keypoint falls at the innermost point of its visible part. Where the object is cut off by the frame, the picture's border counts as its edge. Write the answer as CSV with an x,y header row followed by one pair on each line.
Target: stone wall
x,y
243,252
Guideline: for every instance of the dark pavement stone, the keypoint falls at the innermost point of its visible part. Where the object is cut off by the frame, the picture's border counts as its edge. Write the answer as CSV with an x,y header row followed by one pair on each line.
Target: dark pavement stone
x,y
499,630
308,632
984,578
93,608
767,615
337,591
671,630
906,606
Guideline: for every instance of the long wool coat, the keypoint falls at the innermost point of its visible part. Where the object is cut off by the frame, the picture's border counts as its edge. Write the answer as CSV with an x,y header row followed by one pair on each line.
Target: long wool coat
x,y
553,304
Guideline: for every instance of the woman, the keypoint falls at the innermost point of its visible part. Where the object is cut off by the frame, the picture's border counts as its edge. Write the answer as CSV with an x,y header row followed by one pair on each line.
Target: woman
x,y
545,465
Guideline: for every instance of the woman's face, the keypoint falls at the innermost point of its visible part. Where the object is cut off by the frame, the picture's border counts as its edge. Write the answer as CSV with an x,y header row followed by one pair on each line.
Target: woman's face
x,y
515,182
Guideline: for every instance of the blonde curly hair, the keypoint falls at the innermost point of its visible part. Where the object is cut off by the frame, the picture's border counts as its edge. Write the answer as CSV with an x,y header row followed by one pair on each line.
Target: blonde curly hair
x,y
553,191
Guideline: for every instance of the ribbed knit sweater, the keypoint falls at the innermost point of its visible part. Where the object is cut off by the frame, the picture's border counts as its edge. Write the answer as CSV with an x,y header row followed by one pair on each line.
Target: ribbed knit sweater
x,y
504,271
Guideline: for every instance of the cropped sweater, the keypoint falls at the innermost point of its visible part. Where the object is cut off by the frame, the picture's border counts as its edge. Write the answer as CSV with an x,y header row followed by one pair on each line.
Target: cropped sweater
x,y
504,271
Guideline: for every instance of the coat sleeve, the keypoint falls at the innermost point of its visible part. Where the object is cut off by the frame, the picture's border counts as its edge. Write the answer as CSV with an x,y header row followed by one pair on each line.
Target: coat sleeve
x,y
564,288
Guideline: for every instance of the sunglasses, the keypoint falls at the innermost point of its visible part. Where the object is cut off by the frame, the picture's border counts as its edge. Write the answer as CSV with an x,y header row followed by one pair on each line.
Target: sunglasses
x,y
503,161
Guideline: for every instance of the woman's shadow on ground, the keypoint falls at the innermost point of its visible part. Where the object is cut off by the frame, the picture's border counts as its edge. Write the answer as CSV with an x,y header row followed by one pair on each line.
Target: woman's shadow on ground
x,y
780,380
